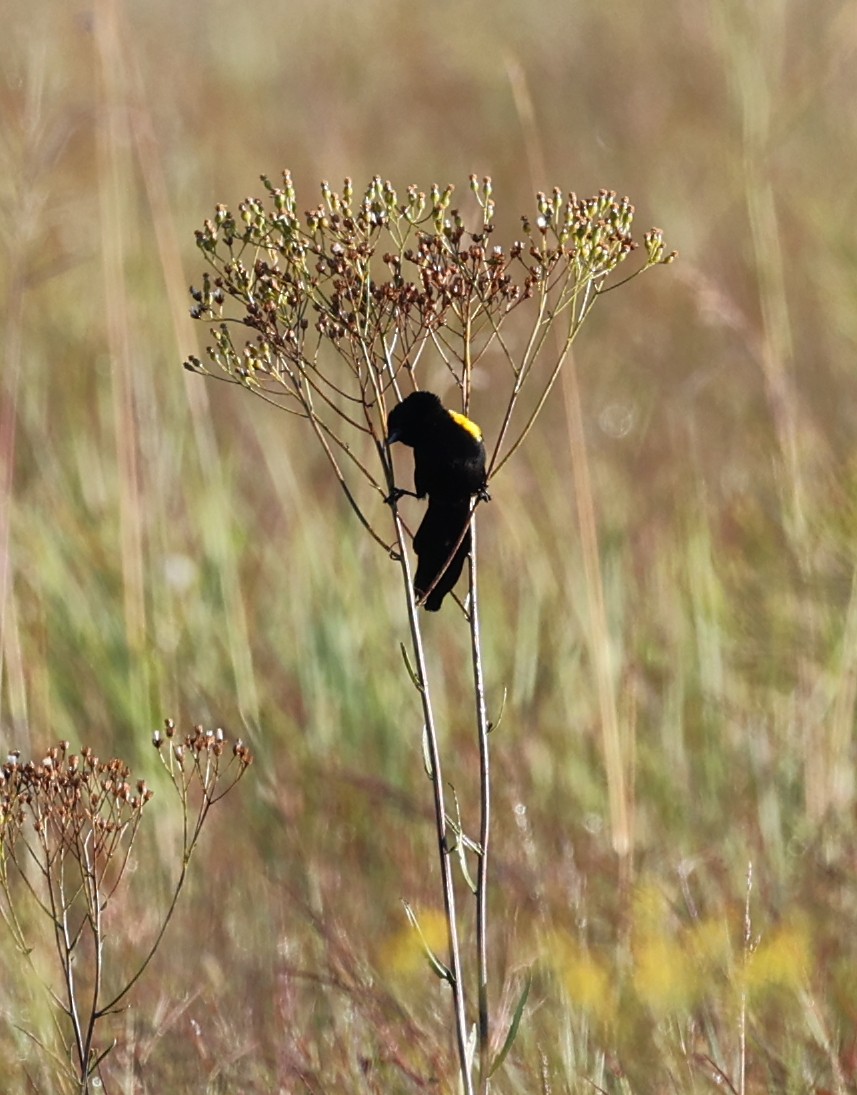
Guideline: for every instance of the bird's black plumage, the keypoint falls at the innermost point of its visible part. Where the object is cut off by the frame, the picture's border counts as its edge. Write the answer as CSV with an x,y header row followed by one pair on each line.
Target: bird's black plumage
x,y
439,531
449,468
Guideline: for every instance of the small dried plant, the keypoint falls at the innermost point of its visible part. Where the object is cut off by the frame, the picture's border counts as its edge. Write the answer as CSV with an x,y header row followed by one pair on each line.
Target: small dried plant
x,y
335,315
68,824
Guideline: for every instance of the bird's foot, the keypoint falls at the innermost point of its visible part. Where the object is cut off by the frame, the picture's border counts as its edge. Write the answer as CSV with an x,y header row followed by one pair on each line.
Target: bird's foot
x,y
396,493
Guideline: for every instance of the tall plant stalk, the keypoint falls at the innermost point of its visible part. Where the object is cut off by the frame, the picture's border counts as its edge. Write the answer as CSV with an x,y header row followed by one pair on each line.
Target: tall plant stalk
x,y
335,315
482,729
453,972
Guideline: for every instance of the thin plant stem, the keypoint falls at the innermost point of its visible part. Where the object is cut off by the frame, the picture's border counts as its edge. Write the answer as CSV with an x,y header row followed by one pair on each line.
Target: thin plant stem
x,y
455,970
65,948
97,931
747,952
482,729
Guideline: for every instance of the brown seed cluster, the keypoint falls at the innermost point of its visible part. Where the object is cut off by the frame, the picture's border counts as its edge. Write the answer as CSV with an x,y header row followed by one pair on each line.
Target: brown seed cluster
x,y
329,313
386,270
68,797
201,741
202,755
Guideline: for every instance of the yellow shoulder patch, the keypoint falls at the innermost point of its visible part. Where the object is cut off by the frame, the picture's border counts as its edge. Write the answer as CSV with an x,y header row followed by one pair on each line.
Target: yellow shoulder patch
x,y
466,424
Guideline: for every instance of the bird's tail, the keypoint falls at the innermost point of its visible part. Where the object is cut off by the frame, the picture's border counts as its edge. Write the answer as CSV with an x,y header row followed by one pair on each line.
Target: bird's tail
x,y
442,527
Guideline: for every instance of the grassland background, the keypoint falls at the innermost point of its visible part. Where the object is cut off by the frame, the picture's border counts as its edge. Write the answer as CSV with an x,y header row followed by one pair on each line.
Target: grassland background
x,y
172,547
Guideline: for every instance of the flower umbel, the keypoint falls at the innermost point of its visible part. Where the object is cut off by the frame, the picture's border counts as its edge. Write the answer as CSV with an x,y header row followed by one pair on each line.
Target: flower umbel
x,y
68,822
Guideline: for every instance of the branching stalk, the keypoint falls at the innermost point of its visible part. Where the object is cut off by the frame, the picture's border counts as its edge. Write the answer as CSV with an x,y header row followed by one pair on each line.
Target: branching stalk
x,y
377,280
482,729
419,666
75,819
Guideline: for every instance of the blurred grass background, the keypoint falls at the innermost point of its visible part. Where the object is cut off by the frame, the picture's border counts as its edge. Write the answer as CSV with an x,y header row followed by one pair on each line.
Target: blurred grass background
x,y
171,547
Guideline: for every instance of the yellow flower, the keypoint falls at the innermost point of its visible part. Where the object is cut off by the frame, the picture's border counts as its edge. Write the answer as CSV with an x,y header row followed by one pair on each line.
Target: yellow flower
x,y
665,977
780,960
588,982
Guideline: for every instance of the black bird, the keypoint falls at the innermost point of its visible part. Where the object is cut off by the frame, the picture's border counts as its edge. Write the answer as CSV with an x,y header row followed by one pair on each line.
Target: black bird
x,y
434,544
449,468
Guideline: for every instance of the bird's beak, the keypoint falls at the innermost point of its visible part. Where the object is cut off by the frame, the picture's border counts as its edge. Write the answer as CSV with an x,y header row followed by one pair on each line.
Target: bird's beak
x,y
392,439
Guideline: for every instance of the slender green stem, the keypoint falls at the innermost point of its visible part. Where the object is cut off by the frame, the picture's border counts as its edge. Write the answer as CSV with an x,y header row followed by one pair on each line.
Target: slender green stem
x,y
457,982
89,867
484,818
65,949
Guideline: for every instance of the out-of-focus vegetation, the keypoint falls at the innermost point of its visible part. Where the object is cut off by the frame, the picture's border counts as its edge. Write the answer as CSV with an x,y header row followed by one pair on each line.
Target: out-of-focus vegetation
x,y
169,546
